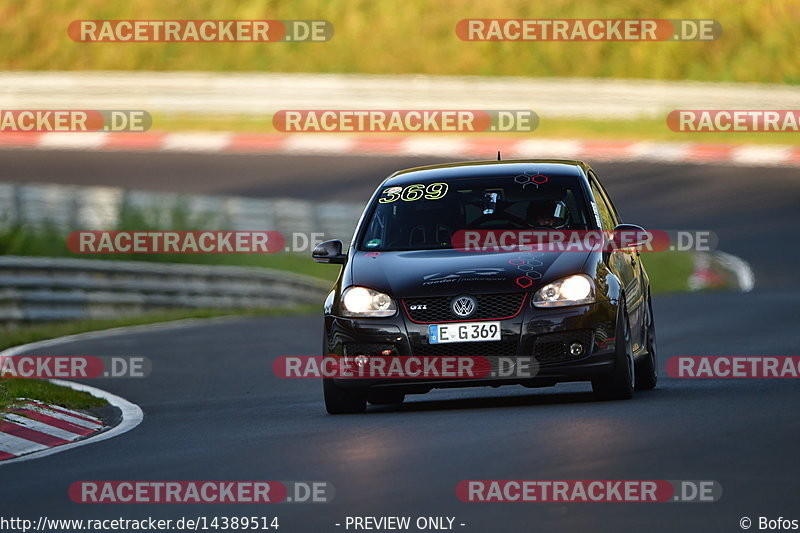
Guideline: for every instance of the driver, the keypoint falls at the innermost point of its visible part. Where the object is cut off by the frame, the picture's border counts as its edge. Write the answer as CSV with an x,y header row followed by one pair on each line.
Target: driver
x,y
542,212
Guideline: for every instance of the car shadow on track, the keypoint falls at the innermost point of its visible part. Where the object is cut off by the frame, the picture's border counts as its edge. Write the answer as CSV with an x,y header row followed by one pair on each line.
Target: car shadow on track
x,y
517,400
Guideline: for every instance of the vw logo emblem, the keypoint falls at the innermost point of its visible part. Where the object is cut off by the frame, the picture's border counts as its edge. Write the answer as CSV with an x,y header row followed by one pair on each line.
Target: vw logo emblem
x,y
464,306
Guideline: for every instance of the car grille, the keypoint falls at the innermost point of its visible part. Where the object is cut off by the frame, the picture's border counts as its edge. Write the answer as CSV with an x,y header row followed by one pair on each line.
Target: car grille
x,y
491,351
490,307
467,349
554,347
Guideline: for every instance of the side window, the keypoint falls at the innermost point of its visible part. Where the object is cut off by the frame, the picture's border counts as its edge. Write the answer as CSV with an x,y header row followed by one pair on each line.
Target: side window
x,y
607,199
605,211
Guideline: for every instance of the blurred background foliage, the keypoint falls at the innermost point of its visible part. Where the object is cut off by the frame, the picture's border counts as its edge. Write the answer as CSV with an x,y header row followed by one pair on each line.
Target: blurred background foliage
x,y
758,43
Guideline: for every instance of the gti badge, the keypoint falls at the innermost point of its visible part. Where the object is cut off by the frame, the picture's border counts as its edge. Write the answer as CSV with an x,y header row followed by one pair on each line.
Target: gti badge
x,y
420,307
464,306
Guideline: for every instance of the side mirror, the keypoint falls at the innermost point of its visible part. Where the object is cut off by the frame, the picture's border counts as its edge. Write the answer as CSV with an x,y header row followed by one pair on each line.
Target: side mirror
x,y
630,236
329,252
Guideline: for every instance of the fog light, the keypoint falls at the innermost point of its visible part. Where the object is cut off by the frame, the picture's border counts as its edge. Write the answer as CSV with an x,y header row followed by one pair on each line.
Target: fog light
x,y
361,360
576,348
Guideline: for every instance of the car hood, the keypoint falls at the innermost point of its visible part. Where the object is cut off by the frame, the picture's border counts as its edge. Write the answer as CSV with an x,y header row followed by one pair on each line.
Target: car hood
x,y
450,272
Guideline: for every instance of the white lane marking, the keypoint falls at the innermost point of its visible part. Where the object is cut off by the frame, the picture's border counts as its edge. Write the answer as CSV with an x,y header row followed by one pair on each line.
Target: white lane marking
x,y
761,155
196,142
319,143
543,148
18,446
72,140
41,427
433,146
667,152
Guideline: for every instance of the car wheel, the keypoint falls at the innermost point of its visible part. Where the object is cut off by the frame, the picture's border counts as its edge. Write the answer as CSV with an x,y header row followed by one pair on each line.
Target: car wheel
x,y
386,398
647,367
619,384
340,401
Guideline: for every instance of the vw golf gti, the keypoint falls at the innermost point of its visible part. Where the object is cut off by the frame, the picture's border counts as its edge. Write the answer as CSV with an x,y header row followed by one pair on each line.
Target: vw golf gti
x,y
419,280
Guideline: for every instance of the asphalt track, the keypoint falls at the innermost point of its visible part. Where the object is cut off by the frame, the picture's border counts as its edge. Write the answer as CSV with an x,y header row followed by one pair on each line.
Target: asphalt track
x,y
213,409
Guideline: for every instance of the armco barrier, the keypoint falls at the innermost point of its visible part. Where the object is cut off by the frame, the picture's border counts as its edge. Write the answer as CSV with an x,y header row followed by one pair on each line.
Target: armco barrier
x,y
70,208
36,289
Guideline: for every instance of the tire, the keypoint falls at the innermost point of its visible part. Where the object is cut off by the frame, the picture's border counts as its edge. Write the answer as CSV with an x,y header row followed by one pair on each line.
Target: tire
x,y
620,383
647,367
386,398
343,401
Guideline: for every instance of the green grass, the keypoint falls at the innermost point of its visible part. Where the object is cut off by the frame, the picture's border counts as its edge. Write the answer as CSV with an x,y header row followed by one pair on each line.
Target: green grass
x,y
34,389
758,43
549,128
668,271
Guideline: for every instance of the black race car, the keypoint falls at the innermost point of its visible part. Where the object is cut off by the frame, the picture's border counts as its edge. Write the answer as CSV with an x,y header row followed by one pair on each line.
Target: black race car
x,y
410,287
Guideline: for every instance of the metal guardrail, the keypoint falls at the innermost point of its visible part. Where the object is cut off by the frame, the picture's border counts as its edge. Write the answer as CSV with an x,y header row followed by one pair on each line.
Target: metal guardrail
x,y
34,289
71,208
37,289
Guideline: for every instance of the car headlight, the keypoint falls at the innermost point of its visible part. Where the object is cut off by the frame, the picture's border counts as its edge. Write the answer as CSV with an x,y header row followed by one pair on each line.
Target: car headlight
x,y
577,289
360,301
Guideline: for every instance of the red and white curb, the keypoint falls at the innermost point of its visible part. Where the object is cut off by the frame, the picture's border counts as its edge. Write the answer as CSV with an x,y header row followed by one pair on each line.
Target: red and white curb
x,y
131,415
31,426
410,145
717,270
32,429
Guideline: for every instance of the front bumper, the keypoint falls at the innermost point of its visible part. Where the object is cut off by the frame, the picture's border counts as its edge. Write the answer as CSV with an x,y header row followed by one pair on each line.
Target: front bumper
x,y
542,335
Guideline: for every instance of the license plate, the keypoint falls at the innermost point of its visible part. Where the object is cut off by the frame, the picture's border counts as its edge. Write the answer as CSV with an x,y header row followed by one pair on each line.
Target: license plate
x,y
464,332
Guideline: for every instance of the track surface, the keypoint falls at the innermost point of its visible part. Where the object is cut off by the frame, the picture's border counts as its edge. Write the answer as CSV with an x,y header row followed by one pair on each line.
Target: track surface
x,y
213,410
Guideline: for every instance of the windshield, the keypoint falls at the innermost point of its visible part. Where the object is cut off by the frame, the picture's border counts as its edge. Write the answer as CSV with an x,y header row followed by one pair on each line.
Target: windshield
x,y
425,215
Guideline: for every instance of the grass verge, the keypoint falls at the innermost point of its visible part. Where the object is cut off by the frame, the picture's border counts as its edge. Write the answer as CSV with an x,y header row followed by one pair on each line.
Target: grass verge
x,y
643,129
44,391
418,36
668,271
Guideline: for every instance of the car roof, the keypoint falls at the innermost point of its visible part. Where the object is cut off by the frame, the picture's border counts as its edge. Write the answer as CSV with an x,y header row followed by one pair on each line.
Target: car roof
x,y
508,168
